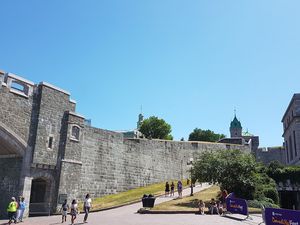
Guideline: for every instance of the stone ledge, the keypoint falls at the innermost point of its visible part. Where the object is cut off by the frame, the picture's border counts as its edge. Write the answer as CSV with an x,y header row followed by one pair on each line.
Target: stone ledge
x,y
76,114
42,166
20,93
71,161
14,76
54,87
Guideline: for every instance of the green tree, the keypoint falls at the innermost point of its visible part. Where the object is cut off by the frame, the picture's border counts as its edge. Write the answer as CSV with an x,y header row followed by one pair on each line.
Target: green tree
x,y
205,135
153,127
234,171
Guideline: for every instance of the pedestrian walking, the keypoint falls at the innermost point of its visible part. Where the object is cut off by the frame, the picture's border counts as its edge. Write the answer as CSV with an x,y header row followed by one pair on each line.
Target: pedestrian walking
x,y
21,209
12,210
172,188
74,211
179,189
86,207
167,189
64,211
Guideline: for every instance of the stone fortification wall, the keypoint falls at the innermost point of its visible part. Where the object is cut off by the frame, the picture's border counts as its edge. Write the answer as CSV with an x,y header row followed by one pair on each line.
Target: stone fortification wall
x,y
267,155
112,164
15,112
53,105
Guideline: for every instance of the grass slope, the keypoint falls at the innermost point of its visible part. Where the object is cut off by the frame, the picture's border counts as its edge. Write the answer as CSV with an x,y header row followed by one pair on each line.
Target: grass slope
x,y
128,197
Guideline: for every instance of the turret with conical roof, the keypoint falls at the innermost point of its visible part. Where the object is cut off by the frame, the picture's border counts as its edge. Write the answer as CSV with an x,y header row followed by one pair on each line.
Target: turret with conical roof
x,y
235,128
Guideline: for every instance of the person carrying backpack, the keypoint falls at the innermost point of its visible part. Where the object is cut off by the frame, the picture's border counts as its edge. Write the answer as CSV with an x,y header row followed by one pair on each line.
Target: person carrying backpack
x,y
12,210
64,211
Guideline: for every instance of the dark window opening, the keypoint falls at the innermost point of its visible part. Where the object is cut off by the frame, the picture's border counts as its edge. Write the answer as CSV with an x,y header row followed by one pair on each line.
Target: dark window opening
x,y
291,148
295,144
50,142
75,132
287,151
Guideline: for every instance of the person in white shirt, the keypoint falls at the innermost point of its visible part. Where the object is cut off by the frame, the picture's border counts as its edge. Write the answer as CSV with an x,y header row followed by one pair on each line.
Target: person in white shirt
x,y
74,211
86,207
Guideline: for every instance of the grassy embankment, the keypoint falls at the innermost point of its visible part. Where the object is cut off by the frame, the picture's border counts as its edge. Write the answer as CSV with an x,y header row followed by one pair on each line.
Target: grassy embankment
x,y
190,203
127,197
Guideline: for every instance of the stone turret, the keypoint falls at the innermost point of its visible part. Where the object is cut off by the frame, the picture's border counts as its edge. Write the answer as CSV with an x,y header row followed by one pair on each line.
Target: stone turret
x,y
139,123
235,128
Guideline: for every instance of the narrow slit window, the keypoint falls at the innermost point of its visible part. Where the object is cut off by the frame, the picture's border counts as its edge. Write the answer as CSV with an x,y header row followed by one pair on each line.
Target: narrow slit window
x,y
50,142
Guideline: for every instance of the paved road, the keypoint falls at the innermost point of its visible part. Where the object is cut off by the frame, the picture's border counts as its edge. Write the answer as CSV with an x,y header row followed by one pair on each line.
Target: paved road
x,y
127,216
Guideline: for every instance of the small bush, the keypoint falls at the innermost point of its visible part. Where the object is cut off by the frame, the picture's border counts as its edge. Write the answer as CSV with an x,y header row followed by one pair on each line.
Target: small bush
x,y
271,193
266,203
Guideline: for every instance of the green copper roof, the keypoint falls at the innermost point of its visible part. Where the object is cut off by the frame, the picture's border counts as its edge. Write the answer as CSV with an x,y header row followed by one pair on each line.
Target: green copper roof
x,y
247,134
235,123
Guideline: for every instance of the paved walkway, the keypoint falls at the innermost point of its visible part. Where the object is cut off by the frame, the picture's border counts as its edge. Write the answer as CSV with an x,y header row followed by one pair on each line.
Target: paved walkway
x,y
127,215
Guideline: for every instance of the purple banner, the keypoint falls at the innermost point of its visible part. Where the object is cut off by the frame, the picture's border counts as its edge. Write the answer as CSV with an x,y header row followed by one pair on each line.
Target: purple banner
x,y
237,205
281,217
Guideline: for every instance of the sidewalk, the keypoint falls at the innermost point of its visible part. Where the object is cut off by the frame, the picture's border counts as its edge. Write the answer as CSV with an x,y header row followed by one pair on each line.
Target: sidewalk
x,y
127,215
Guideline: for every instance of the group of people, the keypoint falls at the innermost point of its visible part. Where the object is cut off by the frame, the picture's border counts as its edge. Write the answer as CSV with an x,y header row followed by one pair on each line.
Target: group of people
x,y
15,210
74,211
214,207
170,189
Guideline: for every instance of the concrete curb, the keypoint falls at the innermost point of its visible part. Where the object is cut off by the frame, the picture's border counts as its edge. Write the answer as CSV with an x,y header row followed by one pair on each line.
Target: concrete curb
x,y
146,211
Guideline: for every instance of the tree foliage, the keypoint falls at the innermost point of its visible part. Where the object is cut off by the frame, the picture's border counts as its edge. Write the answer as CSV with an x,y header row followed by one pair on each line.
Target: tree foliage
x,y
282,173
205,135
153,127
236,172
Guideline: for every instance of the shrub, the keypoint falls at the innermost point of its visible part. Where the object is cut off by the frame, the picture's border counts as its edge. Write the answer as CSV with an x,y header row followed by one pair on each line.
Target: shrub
x,y
271,193
259,203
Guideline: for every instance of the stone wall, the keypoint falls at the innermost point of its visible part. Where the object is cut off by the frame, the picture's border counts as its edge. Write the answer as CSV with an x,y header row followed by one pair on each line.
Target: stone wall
x,y
267,155
15,112
111,164
9,181
52,108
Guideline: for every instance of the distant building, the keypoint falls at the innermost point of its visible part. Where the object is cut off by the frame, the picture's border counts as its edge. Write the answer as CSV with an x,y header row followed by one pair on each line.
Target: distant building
x,y
238,137
129,134
291,131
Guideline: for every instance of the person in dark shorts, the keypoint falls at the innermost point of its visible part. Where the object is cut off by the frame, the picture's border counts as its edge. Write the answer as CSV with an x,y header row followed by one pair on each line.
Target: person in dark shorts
x,y
64,211
12,210
167,189
172,188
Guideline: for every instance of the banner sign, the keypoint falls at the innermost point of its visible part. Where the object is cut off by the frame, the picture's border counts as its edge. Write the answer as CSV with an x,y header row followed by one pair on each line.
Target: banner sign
x,y
281,217
237,205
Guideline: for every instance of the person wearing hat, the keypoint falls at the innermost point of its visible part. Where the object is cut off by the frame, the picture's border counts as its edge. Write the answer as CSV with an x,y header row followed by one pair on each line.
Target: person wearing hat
x,y
12,210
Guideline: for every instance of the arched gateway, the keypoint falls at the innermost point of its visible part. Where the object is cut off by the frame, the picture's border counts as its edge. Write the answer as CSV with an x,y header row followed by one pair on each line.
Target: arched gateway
x,y
12,151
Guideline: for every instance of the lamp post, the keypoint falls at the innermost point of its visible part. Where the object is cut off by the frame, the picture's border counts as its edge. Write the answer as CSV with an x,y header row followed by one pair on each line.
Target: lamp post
x,y
190,163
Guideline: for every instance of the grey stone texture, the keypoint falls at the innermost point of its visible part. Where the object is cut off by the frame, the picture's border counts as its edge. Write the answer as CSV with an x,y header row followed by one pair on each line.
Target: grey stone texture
x,y
44,143
9,181
267,155
291,131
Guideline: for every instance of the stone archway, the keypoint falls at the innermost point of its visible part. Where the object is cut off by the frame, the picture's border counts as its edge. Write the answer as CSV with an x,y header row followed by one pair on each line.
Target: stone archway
x,y
42,194
11,145
12,151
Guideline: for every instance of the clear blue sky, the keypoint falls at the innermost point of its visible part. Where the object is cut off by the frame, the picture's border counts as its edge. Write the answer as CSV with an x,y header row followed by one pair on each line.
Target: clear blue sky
x,y
188,62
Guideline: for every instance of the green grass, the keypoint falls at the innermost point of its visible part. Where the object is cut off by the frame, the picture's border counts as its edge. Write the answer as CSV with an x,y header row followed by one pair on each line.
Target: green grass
x,y
128,197
189,203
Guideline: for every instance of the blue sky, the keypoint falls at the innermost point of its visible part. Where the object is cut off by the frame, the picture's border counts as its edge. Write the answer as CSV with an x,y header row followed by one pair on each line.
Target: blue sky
x,y
188,62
